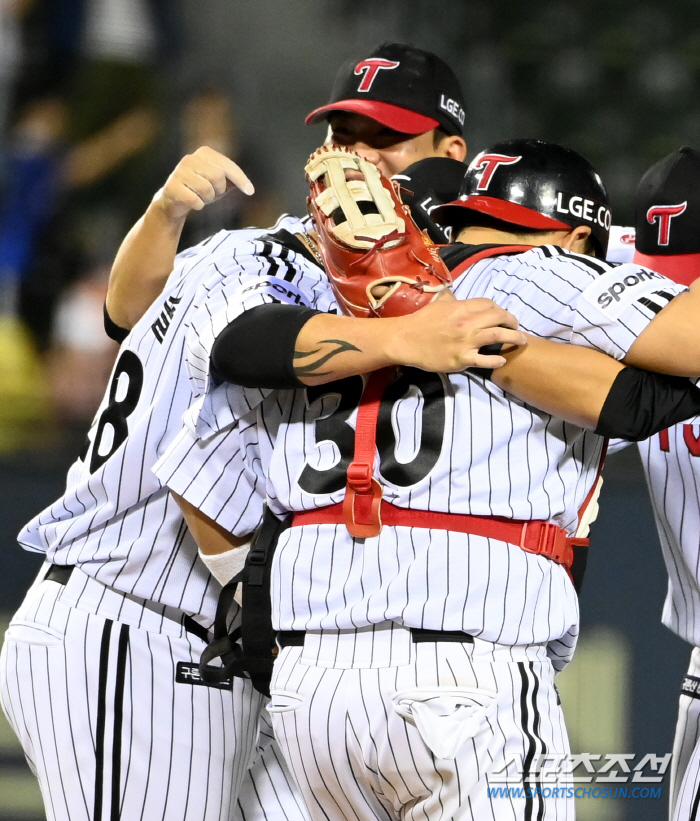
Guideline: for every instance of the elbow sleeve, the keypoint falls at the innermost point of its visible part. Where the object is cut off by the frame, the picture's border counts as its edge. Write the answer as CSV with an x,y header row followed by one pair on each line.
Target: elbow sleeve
x,y
641,403
256,350
113,330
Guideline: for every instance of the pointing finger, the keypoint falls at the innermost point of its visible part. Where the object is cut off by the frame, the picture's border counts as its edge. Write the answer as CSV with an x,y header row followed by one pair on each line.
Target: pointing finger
x,y
236,176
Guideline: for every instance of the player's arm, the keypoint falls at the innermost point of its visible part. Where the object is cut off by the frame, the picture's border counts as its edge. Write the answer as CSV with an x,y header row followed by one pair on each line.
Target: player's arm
x,y
285,346
211,538
222,552
577,384
671,341
595,391
566,381
147,254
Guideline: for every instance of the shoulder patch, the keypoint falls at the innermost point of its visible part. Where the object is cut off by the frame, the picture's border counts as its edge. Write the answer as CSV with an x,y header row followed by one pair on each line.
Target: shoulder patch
x,y
279,290
619,287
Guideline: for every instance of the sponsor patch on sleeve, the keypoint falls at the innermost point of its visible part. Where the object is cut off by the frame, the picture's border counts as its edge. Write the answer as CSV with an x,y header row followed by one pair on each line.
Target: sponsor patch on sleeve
x,y
617,289
279,290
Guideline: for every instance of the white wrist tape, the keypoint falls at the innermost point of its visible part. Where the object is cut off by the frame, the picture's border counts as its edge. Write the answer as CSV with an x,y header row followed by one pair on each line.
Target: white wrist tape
x,y
224,566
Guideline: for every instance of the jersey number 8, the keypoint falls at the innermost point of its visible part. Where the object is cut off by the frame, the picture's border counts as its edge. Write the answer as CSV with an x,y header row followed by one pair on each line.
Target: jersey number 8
x,y
118,410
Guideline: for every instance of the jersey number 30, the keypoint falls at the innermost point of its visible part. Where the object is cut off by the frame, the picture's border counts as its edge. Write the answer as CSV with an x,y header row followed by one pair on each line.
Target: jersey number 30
x,y
124,392
335,428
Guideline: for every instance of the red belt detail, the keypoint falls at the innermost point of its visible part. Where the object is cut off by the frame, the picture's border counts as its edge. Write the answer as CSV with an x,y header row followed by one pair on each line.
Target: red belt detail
x,y
541,538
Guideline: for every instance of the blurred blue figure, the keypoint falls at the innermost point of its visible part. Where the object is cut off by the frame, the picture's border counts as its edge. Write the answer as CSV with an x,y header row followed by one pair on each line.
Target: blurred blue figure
x,y
32,174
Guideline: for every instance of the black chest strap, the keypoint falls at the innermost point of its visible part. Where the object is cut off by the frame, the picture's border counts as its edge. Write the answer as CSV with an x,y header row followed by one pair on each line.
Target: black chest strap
x,y
253,657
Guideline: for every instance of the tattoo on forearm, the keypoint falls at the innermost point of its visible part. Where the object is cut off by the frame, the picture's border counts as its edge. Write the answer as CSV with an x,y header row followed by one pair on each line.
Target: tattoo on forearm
x,y
311,366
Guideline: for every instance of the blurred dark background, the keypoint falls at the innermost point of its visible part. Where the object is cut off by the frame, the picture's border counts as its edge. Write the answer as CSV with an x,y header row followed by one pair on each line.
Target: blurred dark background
x,y
100,98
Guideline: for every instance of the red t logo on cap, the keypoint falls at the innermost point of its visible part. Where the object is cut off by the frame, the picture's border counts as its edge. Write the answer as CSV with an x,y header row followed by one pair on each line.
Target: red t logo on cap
x,y
665,213
490,162
370,68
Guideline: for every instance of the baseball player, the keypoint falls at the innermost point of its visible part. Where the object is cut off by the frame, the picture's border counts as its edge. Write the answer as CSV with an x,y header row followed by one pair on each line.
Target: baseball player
x,y
125,584
427,640
99,673
395,106
665,239
126,588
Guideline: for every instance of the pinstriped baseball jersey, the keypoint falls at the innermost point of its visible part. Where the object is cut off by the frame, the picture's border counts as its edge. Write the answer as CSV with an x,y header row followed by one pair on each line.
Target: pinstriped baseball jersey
x,y
115,520
121,610
276,270
456,444
671,461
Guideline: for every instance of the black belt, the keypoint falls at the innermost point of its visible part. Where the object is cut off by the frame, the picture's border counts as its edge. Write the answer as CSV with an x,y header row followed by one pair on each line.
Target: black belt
x,y
61,573
295,638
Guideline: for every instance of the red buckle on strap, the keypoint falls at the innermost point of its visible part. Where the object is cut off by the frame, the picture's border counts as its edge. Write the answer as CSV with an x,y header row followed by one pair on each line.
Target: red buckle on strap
x,y
360,477
362,509
551,541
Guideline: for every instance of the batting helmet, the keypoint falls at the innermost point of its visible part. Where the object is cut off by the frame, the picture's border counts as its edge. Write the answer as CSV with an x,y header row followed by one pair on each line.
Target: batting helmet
x,y
533,184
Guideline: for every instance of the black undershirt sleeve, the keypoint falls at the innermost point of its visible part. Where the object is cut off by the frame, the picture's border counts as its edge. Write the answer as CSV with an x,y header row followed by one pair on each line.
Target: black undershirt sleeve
x,y
641,403
113,330
256,350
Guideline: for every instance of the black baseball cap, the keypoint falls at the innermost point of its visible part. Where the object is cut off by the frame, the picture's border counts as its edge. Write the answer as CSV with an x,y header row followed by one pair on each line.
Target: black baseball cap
x,y
400,86
667,217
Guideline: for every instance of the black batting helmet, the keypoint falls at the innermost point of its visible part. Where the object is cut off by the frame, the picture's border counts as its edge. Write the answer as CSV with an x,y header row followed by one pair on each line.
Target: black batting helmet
x,y
533,184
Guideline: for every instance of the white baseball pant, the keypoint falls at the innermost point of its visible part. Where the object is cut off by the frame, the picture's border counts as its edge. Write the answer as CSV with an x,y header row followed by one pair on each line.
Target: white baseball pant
x,y
685,764
115,722
375,726
268,791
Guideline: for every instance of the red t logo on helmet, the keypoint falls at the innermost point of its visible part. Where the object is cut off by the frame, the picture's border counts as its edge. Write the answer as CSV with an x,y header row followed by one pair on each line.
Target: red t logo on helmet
x,y
665,213
490,162
370,68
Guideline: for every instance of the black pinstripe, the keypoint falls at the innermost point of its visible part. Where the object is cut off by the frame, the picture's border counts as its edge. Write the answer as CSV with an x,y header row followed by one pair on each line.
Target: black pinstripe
x,y
695,805
118,721
528,706
101,721
345,734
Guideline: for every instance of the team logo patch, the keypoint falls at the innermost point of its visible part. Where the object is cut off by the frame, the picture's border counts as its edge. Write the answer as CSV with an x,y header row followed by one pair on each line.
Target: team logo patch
x,y
188,673
489,163
691,687
617,289
664,214
370,68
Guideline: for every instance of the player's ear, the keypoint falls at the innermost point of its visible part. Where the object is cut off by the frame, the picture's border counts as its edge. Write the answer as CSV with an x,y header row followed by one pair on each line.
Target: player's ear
x,y
577,240
453,147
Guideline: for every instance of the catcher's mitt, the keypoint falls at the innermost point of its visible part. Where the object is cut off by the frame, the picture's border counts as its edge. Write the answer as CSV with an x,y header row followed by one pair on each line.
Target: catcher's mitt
x,y
378,261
